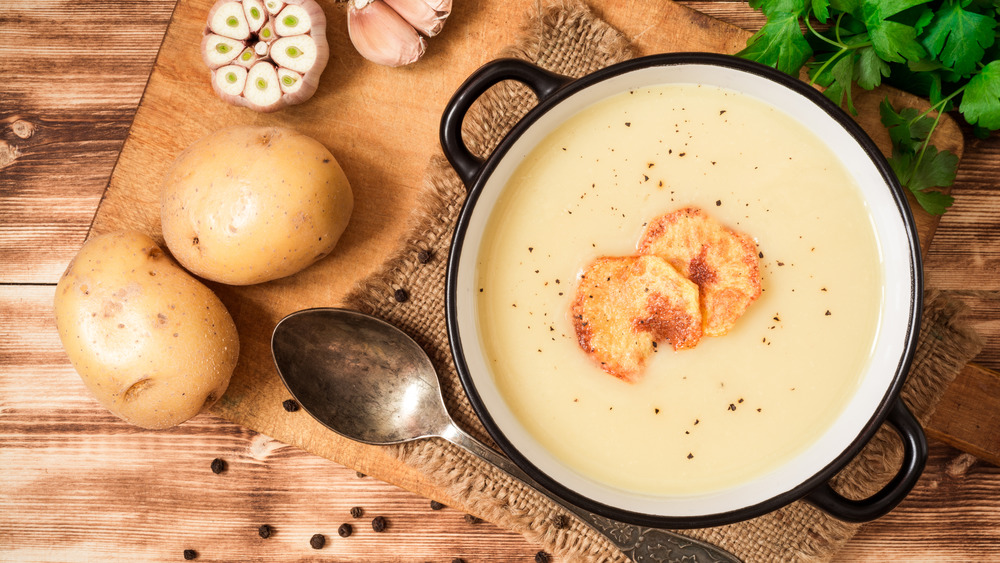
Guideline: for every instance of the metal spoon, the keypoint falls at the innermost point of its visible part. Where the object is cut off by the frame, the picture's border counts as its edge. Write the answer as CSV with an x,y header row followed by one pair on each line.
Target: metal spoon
x,y
368,381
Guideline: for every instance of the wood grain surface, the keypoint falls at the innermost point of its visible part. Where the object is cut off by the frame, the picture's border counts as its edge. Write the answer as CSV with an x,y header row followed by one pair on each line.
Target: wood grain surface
x,y
81,485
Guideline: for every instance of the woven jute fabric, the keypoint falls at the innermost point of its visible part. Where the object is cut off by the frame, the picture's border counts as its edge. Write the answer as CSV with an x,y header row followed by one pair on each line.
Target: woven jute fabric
x,y
568,39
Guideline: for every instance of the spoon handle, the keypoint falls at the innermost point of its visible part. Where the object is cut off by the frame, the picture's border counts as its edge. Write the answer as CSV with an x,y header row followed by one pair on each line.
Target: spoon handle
x,y
638,543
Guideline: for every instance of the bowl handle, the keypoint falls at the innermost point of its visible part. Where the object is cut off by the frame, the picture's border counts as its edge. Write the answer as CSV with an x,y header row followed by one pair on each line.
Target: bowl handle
x,y
914,459
542,82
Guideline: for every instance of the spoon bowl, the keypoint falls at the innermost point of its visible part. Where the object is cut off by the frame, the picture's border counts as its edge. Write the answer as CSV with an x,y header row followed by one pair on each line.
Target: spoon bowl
x,y
359,376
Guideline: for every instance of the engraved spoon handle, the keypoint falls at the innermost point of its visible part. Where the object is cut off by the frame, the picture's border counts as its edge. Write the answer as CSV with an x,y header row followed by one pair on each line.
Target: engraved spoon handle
x,y
639,544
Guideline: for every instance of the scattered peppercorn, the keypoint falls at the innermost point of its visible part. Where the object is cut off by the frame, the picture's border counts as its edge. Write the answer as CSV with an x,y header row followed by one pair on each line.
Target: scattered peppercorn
x,y
357,512
218,466
401,295
360,475
560,522
472,519
458,560
290,405
423,257
345,530
378,524
265,531
542,557
317,541
190,554
435,505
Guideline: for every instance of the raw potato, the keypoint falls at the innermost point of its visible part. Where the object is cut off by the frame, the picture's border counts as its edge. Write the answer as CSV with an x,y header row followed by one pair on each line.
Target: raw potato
x,y
152,343
246,204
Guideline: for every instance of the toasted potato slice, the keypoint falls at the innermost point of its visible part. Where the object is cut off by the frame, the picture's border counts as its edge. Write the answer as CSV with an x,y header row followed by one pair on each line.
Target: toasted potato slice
x,y
625,305
722,262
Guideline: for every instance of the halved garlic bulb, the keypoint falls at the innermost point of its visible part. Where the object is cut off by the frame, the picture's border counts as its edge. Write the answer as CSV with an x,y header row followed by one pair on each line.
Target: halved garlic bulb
x,y
265,54
388,32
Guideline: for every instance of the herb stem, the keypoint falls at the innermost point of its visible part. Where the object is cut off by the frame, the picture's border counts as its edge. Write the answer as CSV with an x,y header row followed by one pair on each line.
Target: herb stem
x,y
937,107
836,28
819,72
923,147
821,36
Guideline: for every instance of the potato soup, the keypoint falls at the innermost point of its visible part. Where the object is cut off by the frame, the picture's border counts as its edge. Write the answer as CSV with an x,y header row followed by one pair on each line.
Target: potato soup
x,y
736,406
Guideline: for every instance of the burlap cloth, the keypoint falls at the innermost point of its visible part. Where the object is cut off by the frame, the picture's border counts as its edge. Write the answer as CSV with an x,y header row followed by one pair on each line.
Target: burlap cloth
x,y
567,38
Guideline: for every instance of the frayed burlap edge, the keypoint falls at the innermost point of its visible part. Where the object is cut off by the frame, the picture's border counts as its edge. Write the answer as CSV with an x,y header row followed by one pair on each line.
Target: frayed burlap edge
x,y
567,38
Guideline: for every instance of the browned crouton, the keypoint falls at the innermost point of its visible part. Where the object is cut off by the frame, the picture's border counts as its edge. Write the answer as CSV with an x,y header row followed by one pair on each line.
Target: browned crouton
x,y
625,305
722,262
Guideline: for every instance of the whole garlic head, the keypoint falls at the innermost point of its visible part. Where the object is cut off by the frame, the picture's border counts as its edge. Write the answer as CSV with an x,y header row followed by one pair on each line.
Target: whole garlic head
x,y
391,32
265,54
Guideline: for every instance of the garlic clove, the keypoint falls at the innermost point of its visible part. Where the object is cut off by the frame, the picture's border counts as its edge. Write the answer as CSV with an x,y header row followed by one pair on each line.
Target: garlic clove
x,y
381,35
426,16
229,81
253,10
297,52
227,19
267,32
247,58
273,6
293,20
262,91
217,50
261,48
289,80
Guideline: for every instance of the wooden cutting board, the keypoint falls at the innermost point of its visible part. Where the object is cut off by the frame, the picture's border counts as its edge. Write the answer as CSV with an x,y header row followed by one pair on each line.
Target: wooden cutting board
x,y
382,126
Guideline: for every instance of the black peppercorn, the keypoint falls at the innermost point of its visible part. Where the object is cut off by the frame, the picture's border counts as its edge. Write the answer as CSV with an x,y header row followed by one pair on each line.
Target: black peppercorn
x,y
458,560
265,531
472,519
317,541
190,554
542,557
360,475
424,257
435,505
357,511
345,530
218,466
378,524
401,295
290,405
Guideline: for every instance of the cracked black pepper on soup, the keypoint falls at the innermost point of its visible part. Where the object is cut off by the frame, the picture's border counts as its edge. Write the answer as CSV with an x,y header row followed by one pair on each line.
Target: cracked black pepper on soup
x,y
737,405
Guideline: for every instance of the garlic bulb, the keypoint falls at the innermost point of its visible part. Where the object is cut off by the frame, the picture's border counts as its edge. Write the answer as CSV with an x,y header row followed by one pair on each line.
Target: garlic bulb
x,y
265,54
388,32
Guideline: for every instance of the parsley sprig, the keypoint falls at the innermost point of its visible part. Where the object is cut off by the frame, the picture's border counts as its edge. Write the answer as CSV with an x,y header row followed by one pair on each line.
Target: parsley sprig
x,y
944,50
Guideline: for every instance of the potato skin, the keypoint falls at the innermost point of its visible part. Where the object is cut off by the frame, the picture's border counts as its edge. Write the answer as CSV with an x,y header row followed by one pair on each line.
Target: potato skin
x,y
248,204
152,343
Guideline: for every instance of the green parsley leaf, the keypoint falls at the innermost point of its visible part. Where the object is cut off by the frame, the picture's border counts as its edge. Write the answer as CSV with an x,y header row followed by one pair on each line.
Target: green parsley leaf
x,y
780,44
920,173
893,41
821,10
933,201
837,77
959,38
981,99
906,131
870,69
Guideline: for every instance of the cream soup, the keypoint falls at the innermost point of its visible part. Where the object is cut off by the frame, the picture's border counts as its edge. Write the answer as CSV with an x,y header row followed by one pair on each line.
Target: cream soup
x,y
738,405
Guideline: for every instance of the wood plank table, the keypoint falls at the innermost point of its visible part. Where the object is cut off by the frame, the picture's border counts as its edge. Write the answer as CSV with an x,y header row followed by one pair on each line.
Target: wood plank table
x,y
79,485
